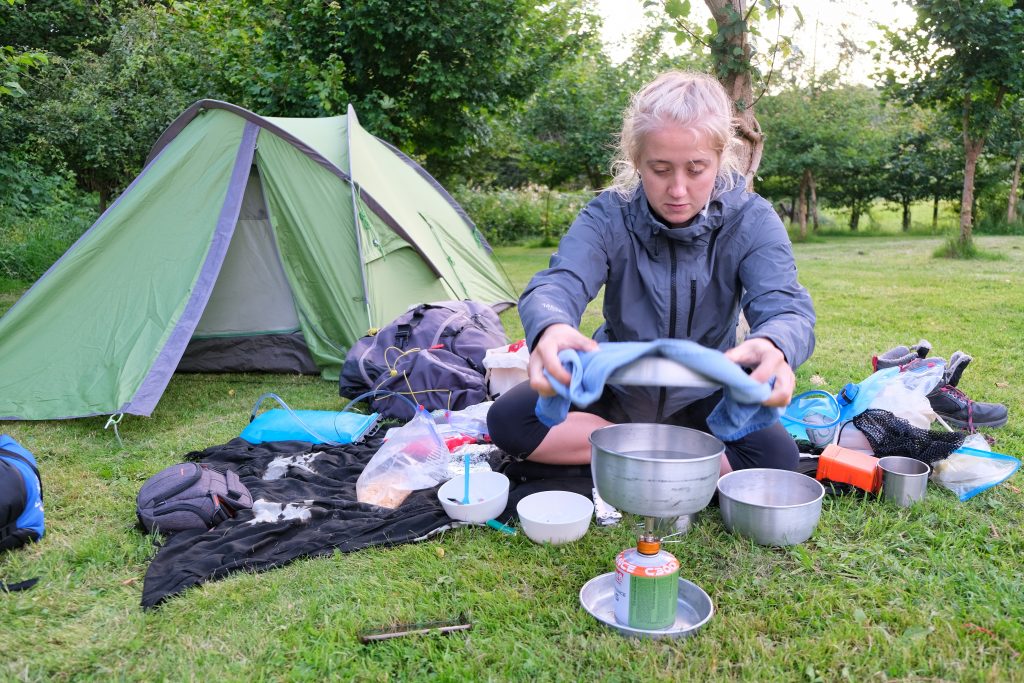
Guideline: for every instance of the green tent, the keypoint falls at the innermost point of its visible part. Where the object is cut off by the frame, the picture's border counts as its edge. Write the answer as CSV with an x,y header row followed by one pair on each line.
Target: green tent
x,y
246,244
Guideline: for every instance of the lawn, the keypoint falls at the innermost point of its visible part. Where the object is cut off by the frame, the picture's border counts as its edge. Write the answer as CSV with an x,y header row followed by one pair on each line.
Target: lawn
x,y
932,592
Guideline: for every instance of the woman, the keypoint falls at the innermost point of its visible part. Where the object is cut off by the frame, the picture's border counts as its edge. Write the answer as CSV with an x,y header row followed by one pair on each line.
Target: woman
x,y
680,247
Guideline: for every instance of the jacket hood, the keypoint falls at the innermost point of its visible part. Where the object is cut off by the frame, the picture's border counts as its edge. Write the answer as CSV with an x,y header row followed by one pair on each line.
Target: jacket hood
x,y
724,204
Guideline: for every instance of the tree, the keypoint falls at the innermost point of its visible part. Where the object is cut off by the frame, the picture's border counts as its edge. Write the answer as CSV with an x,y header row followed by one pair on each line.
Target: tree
x,y
425,76
961,56
570,125
826,142
796,147
730,38
101,113
61,27
1008,140
572,121
14,63
864,130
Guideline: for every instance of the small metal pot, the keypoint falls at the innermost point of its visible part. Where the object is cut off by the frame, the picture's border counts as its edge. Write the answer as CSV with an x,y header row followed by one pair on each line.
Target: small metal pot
x,y
771,507
655,470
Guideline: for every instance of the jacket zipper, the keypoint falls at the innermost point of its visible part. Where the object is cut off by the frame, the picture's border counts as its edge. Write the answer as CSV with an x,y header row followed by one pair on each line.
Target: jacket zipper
x,y
693,306
673,302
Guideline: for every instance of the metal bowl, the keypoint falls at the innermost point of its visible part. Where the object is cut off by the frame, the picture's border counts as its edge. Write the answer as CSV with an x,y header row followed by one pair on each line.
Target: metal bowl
x,y
770,507
655,470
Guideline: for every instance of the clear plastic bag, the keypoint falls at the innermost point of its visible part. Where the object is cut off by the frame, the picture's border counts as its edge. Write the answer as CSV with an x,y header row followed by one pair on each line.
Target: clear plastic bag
x,y
412,458
889,385
969,471
470,421
907,402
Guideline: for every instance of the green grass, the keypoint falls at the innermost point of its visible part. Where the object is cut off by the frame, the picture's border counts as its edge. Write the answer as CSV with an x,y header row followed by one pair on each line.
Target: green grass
x,y
879,593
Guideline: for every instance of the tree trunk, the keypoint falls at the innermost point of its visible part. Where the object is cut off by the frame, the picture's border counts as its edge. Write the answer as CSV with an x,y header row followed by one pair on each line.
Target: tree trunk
x,y
814,199
1011,204
906,215
854,217
972,150
104,200
737,83
935,213
800,210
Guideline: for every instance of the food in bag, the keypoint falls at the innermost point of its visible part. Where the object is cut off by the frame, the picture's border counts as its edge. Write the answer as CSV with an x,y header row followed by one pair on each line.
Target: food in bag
x,y
413,457
969,471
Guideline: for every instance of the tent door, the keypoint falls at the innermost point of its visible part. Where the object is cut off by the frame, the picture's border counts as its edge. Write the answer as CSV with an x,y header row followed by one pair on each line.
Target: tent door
x,y
250,322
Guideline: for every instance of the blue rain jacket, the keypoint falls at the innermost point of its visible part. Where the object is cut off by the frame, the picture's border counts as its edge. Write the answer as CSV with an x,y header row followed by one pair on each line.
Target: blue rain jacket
x,y
675,283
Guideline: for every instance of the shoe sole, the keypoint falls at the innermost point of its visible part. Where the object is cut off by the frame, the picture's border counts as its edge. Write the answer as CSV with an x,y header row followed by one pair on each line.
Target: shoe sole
x,y
961,423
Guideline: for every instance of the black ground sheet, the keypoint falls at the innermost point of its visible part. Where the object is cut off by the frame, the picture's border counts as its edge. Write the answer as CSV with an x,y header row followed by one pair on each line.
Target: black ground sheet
x,y
310,509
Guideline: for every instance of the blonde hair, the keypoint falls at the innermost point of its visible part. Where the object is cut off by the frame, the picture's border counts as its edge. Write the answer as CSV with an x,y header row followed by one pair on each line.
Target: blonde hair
x,y
690,99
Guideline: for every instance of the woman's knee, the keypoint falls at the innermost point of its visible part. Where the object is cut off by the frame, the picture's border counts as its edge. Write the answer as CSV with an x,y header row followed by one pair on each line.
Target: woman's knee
x,y
512,424
771,447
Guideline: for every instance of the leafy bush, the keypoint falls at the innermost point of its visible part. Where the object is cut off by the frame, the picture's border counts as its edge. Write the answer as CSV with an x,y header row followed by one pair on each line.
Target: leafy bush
x,y
532,215
997,225
41,215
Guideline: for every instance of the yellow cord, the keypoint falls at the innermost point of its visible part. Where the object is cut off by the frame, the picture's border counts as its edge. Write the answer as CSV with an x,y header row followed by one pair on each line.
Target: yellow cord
x,y
413,392
394,367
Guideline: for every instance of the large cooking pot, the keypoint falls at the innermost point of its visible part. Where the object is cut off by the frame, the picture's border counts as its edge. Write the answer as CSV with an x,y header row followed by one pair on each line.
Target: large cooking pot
x,y
655,470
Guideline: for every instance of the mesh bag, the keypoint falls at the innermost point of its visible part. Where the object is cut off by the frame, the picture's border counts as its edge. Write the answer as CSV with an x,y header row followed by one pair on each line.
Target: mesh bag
x,y
891,435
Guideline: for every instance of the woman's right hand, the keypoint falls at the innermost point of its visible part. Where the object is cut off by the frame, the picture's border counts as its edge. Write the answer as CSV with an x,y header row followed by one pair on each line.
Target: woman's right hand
x,y
553,339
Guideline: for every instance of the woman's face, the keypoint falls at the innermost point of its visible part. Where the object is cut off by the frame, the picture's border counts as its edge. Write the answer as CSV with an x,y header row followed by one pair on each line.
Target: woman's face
x,y
678,168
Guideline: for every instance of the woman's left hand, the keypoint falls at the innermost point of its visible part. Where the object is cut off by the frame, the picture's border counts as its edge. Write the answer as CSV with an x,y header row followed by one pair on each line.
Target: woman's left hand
x,y
767,361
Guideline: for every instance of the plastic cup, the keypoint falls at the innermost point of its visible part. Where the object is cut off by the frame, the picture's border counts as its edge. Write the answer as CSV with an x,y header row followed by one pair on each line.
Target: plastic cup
x,y
904,480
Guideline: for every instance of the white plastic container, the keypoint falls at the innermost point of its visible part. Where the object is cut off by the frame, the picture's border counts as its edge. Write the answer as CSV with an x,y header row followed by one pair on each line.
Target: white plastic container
x,y
555,517
488,496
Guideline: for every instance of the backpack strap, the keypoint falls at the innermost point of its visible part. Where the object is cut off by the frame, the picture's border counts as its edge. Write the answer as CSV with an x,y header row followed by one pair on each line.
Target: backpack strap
x,y
20,586
402,334
221,512
403,331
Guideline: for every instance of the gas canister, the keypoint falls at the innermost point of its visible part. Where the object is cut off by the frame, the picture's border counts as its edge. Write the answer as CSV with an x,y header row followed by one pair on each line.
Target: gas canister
x,y
646,586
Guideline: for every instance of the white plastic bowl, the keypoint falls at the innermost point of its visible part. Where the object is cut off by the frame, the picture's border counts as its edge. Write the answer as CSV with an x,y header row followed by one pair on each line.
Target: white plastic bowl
x,y
488,496
555,517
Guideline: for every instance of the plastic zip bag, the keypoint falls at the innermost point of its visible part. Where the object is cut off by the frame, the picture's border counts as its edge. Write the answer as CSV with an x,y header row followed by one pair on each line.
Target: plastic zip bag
x,y
412,458
969,471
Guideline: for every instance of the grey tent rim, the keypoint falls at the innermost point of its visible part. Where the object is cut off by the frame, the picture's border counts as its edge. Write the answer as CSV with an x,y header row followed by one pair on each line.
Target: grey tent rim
x,y
186,116
198,107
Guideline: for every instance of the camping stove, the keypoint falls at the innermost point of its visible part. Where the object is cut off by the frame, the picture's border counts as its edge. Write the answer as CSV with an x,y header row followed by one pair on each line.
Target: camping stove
x,y
665,474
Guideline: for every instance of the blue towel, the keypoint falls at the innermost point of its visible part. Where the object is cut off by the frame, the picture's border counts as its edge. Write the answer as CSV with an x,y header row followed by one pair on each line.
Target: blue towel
x,y
738,413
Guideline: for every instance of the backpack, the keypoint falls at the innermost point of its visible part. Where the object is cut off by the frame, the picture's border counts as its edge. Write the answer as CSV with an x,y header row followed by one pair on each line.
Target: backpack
x,y
190,496
21,496
432,354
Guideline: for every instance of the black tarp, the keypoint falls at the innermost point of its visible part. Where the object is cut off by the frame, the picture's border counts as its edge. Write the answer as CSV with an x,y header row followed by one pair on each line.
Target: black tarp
x,y
336,521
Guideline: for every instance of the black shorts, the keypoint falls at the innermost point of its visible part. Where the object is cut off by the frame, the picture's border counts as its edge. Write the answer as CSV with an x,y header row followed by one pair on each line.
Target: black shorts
x,y
515,428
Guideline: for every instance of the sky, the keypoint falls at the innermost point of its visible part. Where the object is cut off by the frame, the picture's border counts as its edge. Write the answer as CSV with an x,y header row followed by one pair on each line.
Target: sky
x,y
822,21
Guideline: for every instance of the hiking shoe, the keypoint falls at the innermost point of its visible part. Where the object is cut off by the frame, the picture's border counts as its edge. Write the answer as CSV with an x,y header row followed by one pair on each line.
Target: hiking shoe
x,y
955,367
900,355
954,406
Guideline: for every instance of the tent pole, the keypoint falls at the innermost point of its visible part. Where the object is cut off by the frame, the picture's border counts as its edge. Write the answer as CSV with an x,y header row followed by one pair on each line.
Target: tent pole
x,y
350,121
